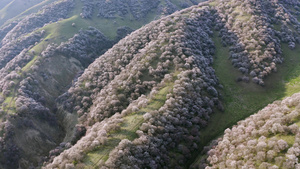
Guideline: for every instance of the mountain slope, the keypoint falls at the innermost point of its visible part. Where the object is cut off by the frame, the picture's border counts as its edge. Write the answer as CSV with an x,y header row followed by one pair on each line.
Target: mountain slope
x,y
268,139
133,133
138,90
154,98
12,8
41,54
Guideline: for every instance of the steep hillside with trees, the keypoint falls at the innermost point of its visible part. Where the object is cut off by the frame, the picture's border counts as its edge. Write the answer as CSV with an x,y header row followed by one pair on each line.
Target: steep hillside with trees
x,y
144,101
255,30
42,52
268,139
147,101
74,93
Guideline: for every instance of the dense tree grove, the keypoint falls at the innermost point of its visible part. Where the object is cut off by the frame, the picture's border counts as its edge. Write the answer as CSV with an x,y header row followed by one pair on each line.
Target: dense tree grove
x,y
101,72
87,9
85,46
4,30
168,8
122,32
32,121
254,30
139,9
268,139
9,50
110,9
115,87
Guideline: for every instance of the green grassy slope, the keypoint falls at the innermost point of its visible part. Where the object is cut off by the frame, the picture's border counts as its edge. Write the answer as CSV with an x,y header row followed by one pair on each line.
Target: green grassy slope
x,y
109,26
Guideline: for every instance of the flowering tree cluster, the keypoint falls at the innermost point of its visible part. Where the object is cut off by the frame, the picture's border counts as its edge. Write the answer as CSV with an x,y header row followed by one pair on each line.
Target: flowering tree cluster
x,y
168,8
139,9
85,46
268,139
254,30
11,49
4,30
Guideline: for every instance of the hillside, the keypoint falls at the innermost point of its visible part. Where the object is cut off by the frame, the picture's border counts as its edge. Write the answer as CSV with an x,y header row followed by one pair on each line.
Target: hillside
x,y
268,139
144,94
12,8
42,52
75,93
157,97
